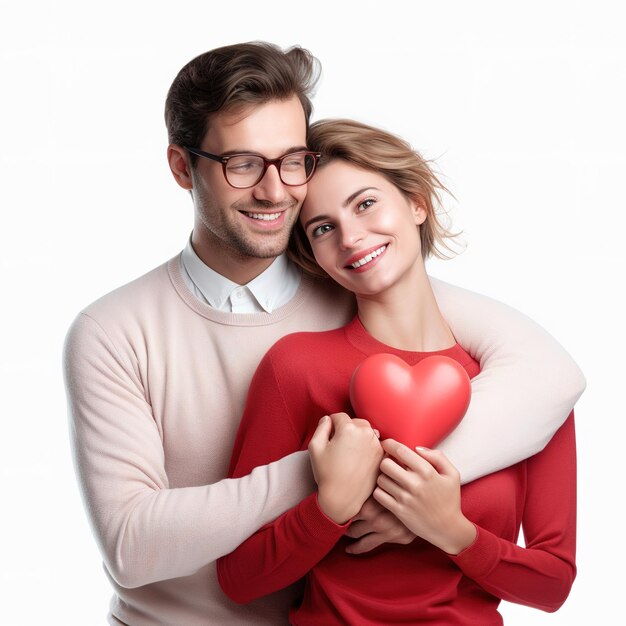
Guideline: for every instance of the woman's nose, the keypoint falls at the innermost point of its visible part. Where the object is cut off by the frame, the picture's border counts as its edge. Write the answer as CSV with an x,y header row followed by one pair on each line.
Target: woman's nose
x,y
351,235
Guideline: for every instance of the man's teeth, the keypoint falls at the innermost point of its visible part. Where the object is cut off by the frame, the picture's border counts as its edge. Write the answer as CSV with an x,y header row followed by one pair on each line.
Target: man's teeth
x,y
266,217
368,257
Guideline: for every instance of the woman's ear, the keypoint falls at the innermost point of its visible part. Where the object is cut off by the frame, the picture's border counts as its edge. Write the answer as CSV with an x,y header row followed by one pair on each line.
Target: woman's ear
x,y
419,211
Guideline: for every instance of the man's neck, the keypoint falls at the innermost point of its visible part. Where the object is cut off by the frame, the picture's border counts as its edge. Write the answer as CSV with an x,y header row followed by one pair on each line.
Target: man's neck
x,y
239,268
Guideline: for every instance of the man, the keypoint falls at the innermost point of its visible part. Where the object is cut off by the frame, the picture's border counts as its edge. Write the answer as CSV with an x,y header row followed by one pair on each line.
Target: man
x,y
157,371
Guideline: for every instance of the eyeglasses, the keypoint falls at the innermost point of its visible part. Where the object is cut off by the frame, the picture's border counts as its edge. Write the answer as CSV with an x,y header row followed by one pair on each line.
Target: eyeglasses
x,y
246,170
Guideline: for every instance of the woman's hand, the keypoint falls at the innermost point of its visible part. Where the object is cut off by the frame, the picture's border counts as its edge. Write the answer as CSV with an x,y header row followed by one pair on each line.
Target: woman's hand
x,y
423,490
345,464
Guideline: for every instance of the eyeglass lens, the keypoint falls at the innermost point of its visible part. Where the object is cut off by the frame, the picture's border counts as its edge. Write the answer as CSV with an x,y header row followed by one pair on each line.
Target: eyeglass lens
x,y
246,170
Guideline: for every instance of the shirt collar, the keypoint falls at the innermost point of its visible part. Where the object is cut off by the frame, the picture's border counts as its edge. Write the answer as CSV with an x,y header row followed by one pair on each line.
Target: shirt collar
x,y
271,289
276,285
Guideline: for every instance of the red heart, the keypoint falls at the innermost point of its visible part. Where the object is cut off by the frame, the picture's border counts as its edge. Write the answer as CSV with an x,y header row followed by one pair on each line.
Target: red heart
x,y
418,405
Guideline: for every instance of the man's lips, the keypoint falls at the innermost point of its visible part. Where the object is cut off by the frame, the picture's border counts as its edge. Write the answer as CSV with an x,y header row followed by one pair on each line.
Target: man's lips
x,y
266,220
266,217
365,257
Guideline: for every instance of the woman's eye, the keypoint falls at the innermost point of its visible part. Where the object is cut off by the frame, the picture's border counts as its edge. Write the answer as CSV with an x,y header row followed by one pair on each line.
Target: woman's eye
x,y
366,204
320,230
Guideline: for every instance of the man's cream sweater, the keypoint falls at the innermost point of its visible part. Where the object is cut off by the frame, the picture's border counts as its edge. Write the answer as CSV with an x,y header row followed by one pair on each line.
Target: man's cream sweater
x,y
156,384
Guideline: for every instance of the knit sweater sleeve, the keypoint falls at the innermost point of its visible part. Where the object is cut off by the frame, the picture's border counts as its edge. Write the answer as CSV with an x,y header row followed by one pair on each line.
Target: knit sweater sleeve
x,y
284,550
540,574
146,530
527,386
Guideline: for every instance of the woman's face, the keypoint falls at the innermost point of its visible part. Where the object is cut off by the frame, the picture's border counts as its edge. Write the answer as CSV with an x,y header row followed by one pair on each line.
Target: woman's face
x,y
363,230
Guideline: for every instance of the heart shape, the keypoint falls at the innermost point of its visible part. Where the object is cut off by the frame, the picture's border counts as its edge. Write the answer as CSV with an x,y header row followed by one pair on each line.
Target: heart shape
x,y
417,405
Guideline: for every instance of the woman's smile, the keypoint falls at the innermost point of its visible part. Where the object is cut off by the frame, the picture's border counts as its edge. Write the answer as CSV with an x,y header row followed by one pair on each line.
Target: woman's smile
x,y
362,261
357,221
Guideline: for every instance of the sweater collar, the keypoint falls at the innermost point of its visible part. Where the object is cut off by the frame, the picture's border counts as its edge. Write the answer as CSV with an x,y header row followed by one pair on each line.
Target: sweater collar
x,y
357,335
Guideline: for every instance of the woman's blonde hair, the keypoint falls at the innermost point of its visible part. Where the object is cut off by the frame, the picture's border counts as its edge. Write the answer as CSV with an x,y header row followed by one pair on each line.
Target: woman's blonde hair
x,y
375,149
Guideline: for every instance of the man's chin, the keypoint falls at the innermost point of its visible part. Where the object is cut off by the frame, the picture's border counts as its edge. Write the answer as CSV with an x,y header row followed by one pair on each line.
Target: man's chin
x,y
264,249
270,253
265,245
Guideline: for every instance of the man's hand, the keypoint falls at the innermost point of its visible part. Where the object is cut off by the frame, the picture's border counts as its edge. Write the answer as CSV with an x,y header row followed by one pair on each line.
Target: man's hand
x,y
374,525
345,456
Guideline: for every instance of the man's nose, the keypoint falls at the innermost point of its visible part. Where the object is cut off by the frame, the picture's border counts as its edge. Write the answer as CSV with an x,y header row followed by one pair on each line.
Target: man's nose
x,y
270,187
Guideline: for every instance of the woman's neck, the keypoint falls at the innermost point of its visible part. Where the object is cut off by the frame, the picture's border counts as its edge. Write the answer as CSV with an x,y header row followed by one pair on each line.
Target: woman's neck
x,y
406,316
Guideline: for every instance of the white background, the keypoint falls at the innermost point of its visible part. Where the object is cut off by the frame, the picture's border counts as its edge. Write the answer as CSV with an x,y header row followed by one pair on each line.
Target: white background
x,y
521,104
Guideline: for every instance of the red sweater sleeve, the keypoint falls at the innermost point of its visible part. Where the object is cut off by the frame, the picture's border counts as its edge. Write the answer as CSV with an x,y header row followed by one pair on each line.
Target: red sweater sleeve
x,y
283,551
541,574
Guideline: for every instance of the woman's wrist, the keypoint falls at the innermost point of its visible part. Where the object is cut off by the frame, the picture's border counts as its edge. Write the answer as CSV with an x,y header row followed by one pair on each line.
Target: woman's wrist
x,y
335,508
460,537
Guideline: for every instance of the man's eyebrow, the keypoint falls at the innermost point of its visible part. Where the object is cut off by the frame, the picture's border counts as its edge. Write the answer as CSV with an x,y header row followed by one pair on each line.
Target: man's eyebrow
x,y
243,151
347,201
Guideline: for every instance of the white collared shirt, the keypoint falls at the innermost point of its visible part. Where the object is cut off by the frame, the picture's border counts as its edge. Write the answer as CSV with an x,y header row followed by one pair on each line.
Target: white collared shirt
x,y
268,291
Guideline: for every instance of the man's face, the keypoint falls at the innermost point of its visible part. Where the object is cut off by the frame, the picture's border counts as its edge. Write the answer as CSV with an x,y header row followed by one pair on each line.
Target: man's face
x,y
245,224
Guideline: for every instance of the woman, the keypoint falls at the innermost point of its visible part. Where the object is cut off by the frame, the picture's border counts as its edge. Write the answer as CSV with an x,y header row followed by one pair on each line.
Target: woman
x,y
369,222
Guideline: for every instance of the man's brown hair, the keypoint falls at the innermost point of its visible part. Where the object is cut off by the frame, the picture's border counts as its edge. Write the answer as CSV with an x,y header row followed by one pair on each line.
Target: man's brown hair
x,y
234,77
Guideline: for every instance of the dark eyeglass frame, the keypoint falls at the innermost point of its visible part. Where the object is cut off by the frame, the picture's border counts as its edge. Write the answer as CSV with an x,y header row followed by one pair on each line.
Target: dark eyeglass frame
x,y
266,163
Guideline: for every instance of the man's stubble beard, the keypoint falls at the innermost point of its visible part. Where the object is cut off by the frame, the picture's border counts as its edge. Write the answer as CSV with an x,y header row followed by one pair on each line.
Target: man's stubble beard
x,y
233,235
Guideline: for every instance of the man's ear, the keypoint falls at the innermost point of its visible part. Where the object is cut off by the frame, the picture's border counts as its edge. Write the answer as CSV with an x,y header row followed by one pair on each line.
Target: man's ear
x,y
178,159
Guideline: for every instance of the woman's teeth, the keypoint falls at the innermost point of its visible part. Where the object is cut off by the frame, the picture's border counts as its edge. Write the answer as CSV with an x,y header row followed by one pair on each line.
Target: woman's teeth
x,y
368,257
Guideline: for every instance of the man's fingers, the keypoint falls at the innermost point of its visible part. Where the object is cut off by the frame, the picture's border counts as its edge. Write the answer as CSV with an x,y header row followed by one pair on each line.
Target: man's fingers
x,y
358,529
338,419
381,527
322,433
365,544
